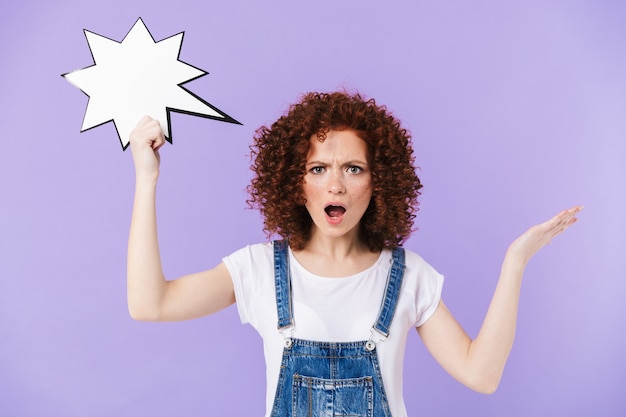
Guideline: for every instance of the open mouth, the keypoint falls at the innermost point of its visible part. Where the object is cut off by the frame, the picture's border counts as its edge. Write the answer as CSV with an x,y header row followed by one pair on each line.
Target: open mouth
x,y
334,211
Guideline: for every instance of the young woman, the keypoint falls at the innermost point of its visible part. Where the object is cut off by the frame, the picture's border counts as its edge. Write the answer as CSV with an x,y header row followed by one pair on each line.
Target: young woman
x,y
334,299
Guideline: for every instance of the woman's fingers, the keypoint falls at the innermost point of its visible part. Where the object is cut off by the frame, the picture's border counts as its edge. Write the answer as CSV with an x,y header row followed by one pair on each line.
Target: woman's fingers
x,y
145,141
563,220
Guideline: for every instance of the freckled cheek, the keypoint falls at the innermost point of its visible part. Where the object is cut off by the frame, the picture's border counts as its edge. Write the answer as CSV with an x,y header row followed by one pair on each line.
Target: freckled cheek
x,y
362,190
312,191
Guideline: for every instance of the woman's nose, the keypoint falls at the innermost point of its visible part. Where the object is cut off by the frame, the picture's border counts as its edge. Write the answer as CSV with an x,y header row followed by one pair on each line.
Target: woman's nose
x,y
336,184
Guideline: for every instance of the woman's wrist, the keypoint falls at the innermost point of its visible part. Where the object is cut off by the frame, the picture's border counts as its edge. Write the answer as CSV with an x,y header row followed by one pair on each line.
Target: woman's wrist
x,y
146,180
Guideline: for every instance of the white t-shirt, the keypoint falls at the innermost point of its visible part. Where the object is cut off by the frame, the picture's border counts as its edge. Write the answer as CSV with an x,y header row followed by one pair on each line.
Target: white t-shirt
x,y
334,309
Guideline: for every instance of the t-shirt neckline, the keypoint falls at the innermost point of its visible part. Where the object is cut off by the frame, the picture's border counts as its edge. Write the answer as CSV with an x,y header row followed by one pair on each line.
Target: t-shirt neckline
x,y
293,261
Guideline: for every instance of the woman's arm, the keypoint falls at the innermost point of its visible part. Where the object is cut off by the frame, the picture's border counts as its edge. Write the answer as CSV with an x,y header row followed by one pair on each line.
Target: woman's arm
x,y
479,363
150,296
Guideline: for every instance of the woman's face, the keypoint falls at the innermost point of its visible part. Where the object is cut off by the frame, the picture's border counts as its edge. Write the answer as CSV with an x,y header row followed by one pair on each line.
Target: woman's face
x,y
338,183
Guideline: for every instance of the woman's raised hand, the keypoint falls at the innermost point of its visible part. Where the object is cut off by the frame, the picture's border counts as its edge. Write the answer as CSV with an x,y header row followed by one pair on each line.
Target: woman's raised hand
x,y
529,243
145,141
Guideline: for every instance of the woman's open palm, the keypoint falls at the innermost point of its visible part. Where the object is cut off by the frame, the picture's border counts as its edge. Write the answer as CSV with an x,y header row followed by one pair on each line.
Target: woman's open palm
x,y
540,235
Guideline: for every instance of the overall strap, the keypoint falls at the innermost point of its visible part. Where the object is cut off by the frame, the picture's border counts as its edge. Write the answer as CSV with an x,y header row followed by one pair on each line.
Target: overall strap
x,y
282,278
392,292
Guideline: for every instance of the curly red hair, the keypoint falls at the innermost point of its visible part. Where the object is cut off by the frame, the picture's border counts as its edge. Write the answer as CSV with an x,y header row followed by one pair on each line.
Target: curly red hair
x,y
279,155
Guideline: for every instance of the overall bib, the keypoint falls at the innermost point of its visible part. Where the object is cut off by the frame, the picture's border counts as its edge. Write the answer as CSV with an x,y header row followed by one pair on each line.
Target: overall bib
x,y
327,379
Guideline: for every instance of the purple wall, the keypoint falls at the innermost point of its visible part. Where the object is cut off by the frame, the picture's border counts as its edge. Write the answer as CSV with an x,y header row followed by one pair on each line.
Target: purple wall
x,y
518,110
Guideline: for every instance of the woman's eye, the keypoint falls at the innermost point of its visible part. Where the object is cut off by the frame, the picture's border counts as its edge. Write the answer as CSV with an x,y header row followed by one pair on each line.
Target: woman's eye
x,y
354,169
317,170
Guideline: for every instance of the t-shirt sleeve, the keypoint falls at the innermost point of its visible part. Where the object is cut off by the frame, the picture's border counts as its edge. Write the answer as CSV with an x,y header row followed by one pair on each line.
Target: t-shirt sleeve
x,y
238,264
248,267
429,284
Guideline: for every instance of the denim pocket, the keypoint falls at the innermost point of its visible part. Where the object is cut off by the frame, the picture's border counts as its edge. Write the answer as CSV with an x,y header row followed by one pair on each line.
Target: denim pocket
x,y
318,397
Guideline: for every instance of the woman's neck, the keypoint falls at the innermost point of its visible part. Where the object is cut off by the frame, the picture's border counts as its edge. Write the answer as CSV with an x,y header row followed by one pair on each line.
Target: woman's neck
x,y
333,256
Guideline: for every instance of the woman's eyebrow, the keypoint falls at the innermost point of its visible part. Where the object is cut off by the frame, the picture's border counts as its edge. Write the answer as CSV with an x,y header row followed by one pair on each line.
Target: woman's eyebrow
x,y
356,162
350,162
316,163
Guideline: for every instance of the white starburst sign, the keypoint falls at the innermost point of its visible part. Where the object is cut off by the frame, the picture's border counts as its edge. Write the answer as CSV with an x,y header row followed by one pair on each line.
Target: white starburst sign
x,y
138,77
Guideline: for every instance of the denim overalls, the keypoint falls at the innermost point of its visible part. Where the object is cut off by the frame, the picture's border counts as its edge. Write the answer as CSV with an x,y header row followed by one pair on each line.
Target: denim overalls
x,y
326,379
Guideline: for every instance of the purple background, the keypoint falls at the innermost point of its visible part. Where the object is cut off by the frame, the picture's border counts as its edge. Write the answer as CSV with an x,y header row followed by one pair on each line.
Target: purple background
x,y
518,110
